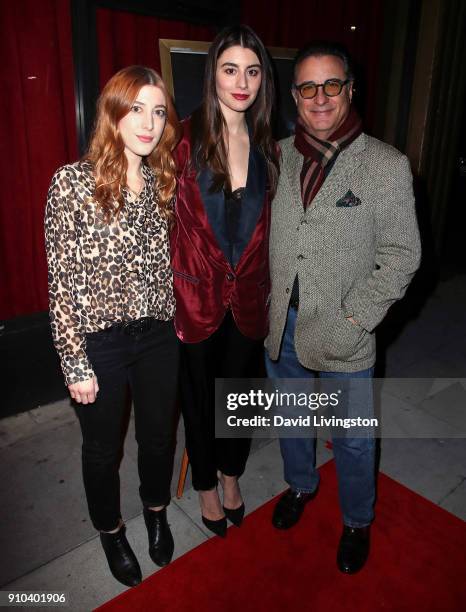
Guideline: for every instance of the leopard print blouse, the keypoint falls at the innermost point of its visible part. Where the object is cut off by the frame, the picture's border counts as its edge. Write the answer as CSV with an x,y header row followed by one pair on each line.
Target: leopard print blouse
x,y
100,273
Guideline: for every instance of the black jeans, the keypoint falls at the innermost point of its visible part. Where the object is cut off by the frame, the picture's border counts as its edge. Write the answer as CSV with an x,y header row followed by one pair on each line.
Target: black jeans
x,y
148,362
225,354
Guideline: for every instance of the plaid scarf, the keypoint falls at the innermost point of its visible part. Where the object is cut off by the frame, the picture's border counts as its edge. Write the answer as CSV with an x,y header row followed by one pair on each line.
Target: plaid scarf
x,y
318,154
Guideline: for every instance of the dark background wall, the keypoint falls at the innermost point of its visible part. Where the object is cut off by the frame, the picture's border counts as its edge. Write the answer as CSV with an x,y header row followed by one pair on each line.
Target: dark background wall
x,y
60,52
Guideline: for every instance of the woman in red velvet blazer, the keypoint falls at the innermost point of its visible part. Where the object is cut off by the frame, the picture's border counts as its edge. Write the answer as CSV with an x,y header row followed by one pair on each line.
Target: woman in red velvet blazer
x,y
227,173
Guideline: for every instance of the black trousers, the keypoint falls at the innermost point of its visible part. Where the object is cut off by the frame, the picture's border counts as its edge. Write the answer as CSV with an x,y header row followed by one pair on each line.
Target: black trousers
x,y
148,362
225,354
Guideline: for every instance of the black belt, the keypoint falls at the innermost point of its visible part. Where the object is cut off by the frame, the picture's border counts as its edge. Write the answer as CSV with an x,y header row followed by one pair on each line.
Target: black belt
x,y
133,328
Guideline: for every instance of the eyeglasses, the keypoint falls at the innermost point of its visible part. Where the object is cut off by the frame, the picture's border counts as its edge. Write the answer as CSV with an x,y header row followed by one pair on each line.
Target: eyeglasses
x,y
331,88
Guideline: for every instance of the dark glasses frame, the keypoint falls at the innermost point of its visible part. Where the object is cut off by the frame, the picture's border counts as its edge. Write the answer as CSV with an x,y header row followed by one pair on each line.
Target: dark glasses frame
x,y
341,84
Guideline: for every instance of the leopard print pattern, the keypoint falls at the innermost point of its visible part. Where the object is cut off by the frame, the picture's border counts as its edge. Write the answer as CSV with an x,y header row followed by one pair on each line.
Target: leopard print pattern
x,y
99,273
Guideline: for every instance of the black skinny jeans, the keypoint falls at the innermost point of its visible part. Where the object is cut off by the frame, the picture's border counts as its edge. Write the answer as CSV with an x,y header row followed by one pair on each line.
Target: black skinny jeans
x,y
225,354
148,362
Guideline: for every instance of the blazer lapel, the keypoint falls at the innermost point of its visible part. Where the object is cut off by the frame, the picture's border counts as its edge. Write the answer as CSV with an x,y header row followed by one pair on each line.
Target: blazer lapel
x,y
252,205
294,168
339,180
212,203
253,201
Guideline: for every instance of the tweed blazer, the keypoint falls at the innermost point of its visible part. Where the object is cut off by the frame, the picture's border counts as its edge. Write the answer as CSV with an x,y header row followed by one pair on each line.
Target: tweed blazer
x,y
355,250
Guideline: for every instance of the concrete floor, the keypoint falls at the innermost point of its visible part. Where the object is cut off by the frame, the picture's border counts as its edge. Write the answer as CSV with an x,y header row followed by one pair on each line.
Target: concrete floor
x,y
46,537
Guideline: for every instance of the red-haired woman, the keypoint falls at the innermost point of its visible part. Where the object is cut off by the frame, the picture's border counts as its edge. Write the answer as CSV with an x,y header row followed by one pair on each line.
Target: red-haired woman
x,y
227,173
112,303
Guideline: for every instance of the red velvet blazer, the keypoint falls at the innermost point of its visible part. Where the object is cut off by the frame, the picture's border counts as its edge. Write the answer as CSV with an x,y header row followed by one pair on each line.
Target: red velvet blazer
x,y
205,283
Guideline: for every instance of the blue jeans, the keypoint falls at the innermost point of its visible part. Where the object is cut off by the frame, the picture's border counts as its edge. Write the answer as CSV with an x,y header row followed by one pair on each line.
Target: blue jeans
x,y
354,457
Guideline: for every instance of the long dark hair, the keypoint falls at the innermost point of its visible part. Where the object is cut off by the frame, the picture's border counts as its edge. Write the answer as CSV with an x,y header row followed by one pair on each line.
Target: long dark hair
x,y
209,124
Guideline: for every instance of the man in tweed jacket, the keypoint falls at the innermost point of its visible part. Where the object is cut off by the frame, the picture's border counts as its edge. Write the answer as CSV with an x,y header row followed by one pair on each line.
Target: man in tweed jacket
x,y
344,245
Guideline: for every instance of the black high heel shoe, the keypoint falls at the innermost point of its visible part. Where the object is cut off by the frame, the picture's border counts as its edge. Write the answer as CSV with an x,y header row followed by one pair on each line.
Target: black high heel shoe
x,y
235,515
218,527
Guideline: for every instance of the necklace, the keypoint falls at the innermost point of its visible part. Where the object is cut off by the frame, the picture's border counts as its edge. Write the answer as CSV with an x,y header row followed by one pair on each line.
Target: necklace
x,y
137,193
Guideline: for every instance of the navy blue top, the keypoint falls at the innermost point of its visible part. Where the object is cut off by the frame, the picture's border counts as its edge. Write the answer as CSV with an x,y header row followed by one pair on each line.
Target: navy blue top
x,y
234,216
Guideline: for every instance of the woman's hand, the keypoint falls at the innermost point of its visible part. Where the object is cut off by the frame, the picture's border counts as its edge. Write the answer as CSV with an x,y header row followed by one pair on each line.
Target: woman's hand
x,y
84,392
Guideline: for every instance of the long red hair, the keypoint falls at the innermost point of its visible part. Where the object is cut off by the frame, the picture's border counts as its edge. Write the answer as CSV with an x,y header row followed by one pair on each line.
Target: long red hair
x,y
106,147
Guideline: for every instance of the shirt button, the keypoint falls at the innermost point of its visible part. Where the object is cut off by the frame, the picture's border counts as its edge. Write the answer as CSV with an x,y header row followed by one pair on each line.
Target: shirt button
x,y
287,290
230,276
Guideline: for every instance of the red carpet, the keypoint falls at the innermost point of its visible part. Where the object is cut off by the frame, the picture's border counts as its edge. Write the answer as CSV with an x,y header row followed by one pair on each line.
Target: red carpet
x,y
417,563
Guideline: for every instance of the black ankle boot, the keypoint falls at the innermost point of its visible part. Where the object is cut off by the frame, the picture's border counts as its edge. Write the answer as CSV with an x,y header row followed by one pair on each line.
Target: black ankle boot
x,y
161,544
121,558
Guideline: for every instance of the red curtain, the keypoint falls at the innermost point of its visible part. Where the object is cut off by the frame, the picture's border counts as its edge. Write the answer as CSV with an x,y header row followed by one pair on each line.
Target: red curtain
x,y
297,22
37,134
127,38
38,128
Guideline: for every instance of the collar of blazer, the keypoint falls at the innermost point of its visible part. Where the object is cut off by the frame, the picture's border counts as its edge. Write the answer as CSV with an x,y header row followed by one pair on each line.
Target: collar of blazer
x,y
336,184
